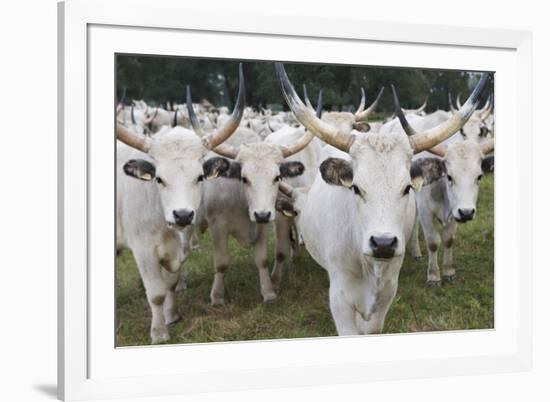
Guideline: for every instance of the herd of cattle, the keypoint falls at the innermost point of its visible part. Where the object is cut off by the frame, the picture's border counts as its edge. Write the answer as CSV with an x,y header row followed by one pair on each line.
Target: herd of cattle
x,y
351,191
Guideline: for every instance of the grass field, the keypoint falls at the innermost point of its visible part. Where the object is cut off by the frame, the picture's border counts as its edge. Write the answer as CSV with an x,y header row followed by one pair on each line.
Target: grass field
x,y
302,307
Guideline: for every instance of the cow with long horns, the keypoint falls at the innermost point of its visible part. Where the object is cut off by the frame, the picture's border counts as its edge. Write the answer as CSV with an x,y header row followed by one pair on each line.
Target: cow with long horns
x,y
360,211
159,192
450,194
243,201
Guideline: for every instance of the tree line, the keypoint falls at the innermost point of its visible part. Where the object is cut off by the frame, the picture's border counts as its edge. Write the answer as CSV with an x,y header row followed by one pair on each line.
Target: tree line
x,y
161,79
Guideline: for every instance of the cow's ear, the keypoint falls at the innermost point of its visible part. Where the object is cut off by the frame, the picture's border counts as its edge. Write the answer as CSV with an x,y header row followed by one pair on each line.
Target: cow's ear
x,y
425,171
362,126
140,169
215,167
488,164
291,169
337,172
233,172
285,207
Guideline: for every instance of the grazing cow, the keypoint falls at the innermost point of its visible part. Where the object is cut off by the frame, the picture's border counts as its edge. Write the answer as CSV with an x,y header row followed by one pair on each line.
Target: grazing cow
x,y
159,192
243,200
359,213
450,194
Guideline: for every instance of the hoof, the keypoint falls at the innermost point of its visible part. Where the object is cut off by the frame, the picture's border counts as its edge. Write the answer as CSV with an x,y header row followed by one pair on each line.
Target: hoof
x,y
216,301
417,257
159,336
433,284
449,278
269,297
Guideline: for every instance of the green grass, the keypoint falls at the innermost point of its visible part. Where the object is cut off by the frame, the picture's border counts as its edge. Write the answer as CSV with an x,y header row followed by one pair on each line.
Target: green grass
x,y
301,309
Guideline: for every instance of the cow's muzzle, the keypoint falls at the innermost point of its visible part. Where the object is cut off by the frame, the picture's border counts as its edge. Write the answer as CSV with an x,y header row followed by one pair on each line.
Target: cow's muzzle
x,y
262,217
383,246
183,217
466,214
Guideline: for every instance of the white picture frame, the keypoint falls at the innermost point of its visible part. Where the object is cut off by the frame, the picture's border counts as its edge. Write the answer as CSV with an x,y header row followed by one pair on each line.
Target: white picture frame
x,y
89,365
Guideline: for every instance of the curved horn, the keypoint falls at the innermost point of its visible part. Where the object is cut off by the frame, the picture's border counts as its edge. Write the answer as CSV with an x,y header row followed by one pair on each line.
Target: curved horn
x,y
439,150
211,141
150,119
215,141
326,132
458,103
319,110
362,103
400,115
422,107
362,116
175,121
450,98
132,117
306,98
132,139
286,189
487,146
430,138
192,116
489,109
300,144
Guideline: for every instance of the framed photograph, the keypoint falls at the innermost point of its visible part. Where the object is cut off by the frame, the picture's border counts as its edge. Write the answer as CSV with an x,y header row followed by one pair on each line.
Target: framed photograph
x,y
249,204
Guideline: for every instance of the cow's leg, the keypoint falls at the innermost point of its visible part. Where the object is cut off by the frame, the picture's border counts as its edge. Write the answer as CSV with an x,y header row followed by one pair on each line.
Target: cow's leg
x,y
449,273
433,240
414,241
343,313
282,237
156,290
171,315
260,257
221,262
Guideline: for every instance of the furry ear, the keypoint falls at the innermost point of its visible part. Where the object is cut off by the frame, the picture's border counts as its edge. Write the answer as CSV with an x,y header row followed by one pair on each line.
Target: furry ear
x,y
337,172
488,164
215,167
285,207
291,169
428,170
362,126
140,169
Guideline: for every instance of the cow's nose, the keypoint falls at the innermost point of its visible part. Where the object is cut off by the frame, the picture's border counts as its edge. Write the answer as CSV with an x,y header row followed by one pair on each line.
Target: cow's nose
x,y
383,246
466,214
183,217
262,217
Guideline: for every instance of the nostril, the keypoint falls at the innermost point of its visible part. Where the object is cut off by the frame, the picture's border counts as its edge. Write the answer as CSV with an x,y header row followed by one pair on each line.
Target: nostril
x,y
383,246
183,217
262,217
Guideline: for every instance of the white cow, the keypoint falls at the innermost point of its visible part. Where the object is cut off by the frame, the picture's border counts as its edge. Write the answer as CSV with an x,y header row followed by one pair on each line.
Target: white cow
x,y
450,194
359,213
159,192
243,200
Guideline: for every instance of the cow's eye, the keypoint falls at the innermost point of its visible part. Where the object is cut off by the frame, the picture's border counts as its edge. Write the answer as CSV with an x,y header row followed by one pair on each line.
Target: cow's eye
x,y
462,132
356,189
479,177
159,181
276,179
407,189
449,178
200,178
244,180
